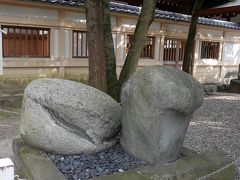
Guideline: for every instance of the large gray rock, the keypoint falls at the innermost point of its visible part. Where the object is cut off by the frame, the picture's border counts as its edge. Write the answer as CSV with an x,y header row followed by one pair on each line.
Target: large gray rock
x,y
68,118
158,103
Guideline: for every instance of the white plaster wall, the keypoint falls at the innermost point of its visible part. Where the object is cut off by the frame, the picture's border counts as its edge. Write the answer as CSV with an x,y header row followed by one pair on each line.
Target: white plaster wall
x,y
155,26
210,32
197,49
121,47
128,22
231,53
114,36
56,43
27,12
175,28
209,62
113,21
207,74
130,25
157,48
232,36
67,43
80,18
75,17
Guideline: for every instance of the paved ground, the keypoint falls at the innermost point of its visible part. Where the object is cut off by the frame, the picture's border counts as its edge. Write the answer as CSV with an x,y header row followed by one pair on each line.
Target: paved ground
x,y
9,128
215,126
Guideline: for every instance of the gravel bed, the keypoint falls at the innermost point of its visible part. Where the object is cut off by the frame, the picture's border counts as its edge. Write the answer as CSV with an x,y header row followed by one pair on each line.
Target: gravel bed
x,y
87,166
216,127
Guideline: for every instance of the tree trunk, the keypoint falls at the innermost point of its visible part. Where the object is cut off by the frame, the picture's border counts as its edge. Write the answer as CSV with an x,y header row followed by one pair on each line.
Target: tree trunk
x,y
146,17
188,57
95,40
109,51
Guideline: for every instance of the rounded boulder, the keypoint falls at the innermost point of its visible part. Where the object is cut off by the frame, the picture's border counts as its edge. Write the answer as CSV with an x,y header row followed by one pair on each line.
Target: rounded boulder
x,y
67,117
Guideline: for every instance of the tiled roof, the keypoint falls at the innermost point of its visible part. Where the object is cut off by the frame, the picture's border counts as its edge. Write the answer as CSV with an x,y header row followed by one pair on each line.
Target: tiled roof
x,y
229,4
64,2
124,8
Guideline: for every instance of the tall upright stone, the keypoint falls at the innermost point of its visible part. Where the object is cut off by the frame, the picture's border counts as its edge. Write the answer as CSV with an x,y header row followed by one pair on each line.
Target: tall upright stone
x,y
158,103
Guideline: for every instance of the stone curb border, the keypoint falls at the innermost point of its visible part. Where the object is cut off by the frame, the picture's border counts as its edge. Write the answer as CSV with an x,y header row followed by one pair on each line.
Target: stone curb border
x,y
34,164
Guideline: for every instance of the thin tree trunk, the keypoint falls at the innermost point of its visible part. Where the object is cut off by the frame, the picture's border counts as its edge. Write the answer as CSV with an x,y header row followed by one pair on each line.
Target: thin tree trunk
x,y
146,17
95,39
188,57
109,51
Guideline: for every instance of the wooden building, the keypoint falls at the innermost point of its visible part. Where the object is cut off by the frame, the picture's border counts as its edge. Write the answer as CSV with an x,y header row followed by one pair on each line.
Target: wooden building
x,y
229,11
47,38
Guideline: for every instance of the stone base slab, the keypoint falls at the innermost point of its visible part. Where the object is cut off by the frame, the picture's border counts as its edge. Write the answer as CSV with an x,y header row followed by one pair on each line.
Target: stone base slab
x,y
203,166
35,165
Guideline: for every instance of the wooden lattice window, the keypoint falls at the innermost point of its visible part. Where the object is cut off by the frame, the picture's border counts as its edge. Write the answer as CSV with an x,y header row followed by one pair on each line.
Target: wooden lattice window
x,y
174,49
148,51
210,50
80,49
25,42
